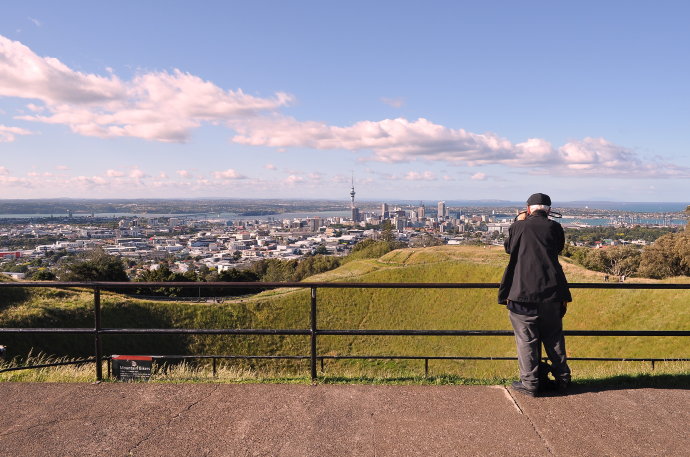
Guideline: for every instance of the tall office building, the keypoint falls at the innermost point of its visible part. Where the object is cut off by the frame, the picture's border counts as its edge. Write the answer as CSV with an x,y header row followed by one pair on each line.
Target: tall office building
x,y
421,211
384,211
313,223
400,222
355,214
442,210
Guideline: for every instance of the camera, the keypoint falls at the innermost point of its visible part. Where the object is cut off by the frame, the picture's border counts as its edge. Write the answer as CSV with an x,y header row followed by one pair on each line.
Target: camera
x,y
552,214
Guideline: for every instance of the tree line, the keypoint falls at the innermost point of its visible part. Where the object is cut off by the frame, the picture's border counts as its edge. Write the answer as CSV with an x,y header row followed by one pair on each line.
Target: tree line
x,y
668,256
590,235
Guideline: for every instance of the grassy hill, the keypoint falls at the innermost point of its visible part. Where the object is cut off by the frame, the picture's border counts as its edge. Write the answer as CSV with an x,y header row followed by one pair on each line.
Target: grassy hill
x,y
367,309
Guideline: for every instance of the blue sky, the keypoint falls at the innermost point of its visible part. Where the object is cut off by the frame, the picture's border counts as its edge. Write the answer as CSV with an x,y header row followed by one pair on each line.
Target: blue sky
x,y
420,100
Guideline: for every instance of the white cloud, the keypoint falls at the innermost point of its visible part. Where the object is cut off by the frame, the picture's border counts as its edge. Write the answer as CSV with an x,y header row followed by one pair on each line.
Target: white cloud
x,y
396,102
24,74
389,177
270,166
294,179
391,140
35,21
6,179
416,176
137,174
228,174
184,173
478,177
61,167
591,152
14,181
400,140
8,134
162,106
89,181
114,173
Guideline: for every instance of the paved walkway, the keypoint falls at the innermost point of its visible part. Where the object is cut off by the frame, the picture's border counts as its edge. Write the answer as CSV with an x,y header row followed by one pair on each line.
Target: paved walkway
x,y
336,420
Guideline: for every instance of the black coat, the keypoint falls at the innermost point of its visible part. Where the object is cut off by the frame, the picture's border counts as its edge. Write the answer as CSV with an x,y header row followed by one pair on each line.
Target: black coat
x,y
533,274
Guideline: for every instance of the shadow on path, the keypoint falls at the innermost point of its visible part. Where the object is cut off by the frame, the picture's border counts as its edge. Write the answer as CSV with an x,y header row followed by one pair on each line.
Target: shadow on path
x,y
626,382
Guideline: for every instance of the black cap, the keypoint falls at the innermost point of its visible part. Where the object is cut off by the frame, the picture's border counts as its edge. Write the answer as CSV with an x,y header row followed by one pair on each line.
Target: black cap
x,y
539,199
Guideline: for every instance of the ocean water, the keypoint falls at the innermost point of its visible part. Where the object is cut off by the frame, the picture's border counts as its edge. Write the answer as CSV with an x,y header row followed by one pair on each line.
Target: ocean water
x,y
224,216
575,221
633,207
630,207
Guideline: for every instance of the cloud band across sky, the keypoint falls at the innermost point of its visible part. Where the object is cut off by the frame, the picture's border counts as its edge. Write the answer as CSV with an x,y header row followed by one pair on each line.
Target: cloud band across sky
x,y
168,106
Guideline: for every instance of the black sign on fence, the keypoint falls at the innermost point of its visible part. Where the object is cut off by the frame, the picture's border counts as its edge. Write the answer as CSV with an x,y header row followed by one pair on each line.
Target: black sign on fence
x,y
132,367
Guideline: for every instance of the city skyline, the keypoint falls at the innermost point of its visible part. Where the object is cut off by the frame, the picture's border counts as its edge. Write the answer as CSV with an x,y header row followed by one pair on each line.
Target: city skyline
x,y
445,101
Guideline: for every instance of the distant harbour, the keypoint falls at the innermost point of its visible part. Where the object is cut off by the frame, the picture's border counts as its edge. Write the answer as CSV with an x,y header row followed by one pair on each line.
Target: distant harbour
x,y
224,216
602,222
567,221
576,214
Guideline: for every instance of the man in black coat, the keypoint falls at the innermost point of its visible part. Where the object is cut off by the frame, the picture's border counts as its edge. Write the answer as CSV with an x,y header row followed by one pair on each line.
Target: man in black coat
x,y
535,291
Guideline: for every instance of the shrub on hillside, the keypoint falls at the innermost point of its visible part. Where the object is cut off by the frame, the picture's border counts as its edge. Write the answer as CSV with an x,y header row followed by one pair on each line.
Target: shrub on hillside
x,y
616,261
425,241
96,265
372,249
163,274
43,274
276,270
668,256
313,265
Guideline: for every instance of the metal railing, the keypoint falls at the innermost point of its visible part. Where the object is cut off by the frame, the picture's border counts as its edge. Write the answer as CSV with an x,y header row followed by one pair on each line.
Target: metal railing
x,y
98,331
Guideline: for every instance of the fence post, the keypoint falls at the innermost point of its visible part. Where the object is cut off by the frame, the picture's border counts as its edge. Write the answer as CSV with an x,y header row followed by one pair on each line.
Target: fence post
x,y
215,368
97,332
313,334
426,368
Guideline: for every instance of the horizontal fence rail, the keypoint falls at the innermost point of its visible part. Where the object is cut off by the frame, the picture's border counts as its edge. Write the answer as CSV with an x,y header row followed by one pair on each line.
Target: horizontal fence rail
x,y
313,331
326,285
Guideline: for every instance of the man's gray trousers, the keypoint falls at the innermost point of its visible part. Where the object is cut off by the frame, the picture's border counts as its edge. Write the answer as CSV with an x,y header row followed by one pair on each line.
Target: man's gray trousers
x,y
545,327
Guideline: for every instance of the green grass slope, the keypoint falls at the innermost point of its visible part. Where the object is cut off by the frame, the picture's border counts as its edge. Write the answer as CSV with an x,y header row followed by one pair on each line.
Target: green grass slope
x,y
368,309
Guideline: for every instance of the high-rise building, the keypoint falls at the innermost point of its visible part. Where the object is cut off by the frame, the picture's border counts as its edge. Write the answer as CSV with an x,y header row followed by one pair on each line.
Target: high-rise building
x,y
421,211
442,210
355,214
384,211
313,223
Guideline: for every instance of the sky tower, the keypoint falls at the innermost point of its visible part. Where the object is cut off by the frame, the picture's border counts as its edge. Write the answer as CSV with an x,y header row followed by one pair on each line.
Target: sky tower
x,y
353,208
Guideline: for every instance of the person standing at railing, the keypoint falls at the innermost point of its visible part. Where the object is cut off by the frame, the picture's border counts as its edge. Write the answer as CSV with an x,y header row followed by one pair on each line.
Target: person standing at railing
x,y
536,293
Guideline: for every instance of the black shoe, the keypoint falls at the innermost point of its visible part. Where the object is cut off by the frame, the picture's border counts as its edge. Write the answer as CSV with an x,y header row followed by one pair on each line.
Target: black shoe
x,y
562,386
520,387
